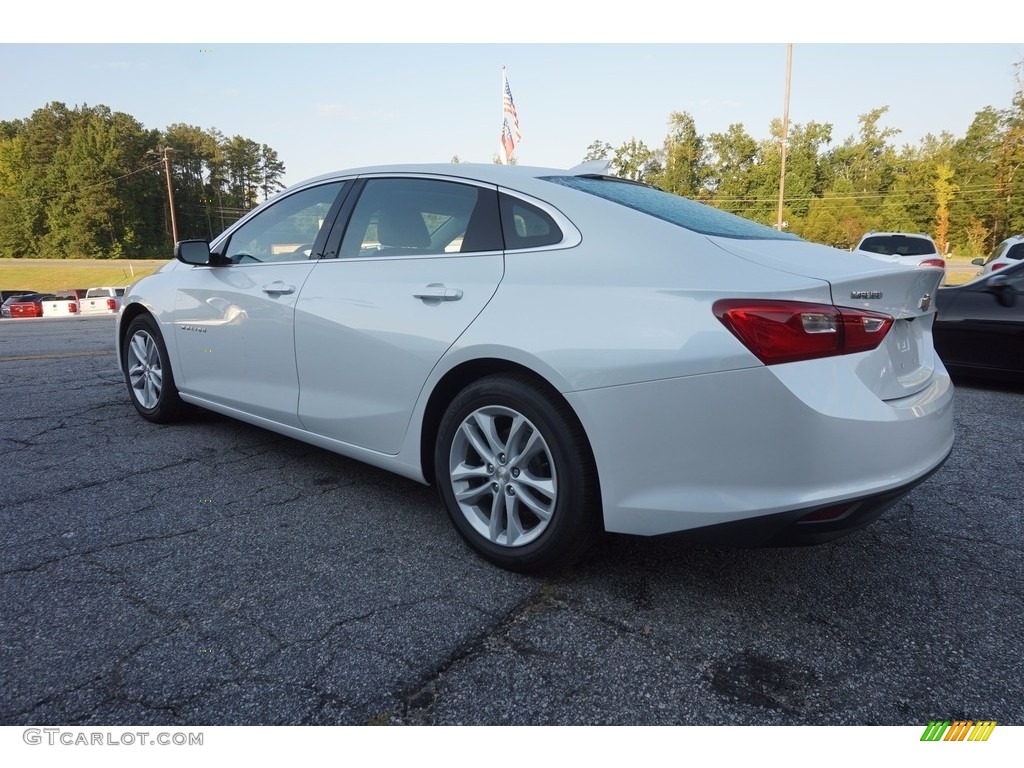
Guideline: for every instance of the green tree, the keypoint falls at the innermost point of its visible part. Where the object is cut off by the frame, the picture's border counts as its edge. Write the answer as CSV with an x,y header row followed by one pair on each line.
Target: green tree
x,y
15,210
685,170
734,155
87,182
838,218
945,191
244,171
867,161
1010,176
271,172
636,161
597,150
975,159
96,206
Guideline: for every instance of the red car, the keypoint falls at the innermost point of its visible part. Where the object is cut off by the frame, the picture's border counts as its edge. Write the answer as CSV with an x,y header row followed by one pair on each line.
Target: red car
x,y
30,305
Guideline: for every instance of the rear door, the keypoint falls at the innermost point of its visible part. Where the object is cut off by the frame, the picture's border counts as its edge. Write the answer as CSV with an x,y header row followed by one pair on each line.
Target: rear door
x,y
419,259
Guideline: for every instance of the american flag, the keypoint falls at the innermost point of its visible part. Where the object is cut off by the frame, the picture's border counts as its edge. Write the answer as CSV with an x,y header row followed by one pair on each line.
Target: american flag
x,y
510,133
508,144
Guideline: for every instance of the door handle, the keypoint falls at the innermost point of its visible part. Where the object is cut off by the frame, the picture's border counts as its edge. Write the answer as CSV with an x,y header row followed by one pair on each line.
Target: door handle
x,y
438,292
278,288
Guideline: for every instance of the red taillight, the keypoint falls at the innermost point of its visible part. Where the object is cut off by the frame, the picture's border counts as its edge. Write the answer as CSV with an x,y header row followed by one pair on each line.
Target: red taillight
x,y
111,305
940,263
72,307
788,331
998,265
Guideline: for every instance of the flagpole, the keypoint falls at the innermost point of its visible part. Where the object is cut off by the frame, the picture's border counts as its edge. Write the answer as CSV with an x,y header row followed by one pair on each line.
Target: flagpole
x,y
785,134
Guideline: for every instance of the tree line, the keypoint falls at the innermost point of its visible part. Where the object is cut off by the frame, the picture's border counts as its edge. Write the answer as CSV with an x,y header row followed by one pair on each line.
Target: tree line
x,y
89,182
966,192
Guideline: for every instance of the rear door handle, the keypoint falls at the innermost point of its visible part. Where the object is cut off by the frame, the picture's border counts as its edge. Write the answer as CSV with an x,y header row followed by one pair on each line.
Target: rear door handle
x,y
438,292
278,288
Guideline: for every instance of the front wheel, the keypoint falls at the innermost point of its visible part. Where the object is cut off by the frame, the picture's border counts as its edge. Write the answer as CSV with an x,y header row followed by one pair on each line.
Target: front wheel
x,y
516,474
148,373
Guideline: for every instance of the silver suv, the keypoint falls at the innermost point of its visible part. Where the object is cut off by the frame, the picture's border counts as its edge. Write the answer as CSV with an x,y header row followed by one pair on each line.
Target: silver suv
x,y
1010,251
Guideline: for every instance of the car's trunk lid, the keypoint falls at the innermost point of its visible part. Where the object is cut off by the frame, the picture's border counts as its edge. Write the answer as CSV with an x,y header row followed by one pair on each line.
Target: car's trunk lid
x,y
905,361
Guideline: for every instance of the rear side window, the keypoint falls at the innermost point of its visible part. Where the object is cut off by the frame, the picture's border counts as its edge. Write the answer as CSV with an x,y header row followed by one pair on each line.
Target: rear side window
x,y
526,226
672,208
1016,252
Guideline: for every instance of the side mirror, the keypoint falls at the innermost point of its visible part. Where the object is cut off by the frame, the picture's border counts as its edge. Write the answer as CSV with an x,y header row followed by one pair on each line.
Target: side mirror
x,y
1000,287
980,262
195,252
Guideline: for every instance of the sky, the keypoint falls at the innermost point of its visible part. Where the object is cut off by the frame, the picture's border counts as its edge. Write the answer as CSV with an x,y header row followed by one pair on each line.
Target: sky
x,y
380,85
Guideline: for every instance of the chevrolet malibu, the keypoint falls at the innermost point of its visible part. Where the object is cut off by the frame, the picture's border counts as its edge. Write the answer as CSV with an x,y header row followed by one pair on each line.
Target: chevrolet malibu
x,y
559,352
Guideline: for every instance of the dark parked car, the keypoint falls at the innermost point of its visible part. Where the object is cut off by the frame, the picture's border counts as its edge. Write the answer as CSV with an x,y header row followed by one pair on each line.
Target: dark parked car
x,y
980,325
6,294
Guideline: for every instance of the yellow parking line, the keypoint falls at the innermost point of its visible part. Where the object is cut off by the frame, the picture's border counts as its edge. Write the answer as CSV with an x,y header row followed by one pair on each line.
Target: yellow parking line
x,y
55,355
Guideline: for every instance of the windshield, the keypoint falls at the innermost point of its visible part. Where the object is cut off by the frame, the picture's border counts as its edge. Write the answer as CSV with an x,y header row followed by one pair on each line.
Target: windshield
x,y
677,210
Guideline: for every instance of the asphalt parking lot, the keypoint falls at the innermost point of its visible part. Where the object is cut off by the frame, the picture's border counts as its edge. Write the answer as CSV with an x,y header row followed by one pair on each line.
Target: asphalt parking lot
x,y
215,573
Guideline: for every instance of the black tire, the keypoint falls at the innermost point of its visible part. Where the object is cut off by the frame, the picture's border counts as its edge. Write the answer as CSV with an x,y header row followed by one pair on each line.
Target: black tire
x,y
526,500
147,372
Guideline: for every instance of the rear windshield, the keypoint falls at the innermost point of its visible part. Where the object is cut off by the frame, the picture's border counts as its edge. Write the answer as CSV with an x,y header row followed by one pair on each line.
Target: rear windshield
x,y
898,245
672,208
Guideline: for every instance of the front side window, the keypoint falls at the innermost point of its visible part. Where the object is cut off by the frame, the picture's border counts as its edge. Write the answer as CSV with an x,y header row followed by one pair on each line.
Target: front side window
x,y
419,217
999,251
286,231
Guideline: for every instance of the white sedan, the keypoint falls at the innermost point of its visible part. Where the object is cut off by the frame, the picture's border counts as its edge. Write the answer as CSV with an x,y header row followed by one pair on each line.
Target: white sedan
x,y
560,352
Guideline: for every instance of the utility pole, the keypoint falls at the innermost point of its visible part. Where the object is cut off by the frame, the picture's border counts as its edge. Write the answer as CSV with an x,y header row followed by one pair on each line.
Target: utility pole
x,y
785,134
165,151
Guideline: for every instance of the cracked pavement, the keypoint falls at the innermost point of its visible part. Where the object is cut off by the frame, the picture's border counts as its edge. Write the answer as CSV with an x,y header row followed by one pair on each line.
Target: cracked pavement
x,y
212,573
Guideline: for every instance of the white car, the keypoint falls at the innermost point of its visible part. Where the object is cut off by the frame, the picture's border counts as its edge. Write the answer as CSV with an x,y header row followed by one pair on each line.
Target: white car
x,y
1008,252
60,306
101,301
912,250
597,354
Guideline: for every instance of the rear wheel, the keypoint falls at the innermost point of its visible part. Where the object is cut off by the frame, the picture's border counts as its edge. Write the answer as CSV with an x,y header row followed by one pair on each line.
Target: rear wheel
x,y
148,373
516,474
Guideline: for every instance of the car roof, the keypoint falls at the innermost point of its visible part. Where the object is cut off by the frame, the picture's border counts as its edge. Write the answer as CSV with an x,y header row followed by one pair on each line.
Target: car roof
x,y
524,178
491,172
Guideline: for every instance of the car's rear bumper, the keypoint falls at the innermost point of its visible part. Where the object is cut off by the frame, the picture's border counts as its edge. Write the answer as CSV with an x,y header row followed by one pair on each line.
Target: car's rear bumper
x,y
709,451
800,527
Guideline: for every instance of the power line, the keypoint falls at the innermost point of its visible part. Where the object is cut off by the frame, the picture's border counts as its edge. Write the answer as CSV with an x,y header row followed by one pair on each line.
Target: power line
x,y
83,189
964,192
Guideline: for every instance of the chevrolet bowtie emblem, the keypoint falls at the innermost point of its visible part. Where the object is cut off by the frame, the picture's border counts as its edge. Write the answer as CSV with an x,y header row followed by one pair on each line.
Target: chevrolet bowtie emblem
x,y
926,301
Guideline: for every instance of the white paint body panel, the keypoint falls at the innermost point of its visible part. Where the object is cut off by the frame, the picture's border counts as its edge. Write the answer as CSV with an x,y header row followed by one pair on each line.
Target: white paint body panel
x,y
365,344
